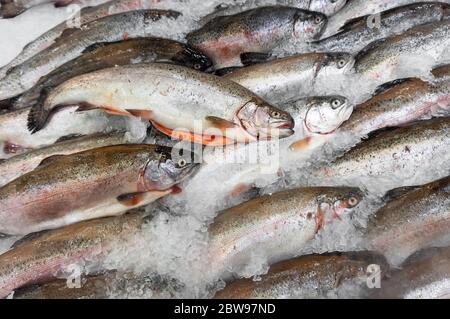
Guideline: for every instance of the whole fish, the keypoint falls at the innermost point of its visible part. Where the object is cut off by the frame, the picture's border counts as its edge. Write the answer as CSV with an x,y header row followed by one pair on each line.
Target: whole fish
x,y
311,277
15,138
12,8
18,165
412,221
86,15
359,33
229,40
400,103
359,8
327,7
405,156
276,226
293,77
139,23
106,285
44,256
95,183
424,275
413,53
100,56
173,98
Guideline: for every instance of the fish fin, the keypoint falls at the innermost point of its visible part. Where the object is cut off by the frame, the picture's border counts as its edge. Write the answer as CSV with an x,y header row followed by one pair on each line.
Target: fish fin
x,y
351,23
82,107
11,148
131,199
67,32
9,9
225,71
145,114
220,123
28,238
62,3
38,115
49,160
68,137
369,48
390,85
249,58
300,145
2,235
96,46
399,192
6,104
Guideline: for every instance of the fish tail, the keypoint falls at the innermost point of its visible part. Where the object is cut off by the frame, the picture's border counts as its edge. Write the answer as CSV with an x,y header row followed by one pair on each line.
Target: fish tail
x,y
39,114
9,9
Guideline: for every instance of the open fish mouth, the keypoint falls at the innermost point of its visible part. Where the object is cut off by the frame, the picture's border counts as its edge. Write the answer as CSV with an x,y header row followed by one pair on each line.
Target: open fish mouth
x,y
286,125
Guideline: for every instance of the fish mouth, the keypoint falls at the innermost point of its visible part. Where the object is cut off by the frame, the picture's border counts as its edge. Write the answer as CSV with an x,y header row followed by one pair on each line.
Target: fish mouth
x,y
285,132
286,125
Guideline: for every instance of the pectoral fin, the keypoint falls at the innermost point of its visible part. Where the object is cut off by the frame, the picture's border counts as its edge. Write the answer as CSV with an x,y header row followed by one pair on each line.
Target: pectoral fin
x,y
220,123
145,114
49,160
131,199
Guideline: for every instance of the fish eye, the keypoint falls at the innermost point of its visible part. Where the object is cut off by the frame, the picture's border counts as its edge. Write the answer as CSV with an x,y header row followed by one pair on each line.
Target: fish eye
x,y
353,201
341,63
181,163
335,104
276,114
318,19
333,1
197,66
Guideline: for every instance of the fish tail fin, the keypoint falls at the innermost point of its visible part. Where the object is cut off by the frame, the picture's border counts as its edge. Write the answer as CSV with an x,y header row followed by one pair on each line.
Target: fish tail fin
x,y
9,9
39,114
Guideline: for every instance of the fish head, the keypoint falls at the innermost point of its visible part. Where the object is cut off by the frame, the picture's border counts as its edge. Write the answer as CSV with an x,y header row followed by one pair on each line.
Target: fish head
x,y
171,166
334,203
327,7
325,114
265,121
337,63
309,25
193,59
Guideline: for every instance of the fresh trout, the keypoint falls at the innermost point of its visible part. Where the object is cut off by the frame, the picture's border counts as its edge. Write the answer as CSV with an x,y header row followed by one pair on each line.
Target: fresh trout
x,y
12,8
101,56
95,183
310,277
359,8
359,33
15,138
293,77
140,23
231,40
415,220
180,102
19,165
276,226
405,156
46,255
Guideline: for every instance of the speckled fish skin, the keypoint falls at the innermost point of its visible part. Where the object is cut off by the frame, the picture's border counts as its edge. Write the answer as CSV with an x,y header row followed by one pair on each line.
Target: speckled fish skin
x,y
310,277
15,138
404,103
12,8
289,78
24,163
425,275
104,286
171,97
260,30
88,184
358,8
277,225
400,156
359,34
141,50
390,58
87,14
41,258
416,220
112,28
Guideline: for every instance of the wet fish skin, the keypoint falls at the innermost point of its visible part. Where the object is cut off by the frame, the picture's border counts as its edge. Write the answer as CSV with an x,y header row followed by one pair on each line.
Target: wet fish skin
x,y
225,38
140,50
413,221
237,115
359,8
111,28
277,225
18,165
360,33
293,77
90,184
15,138
43,256
396,157
310,277
12,8
390,58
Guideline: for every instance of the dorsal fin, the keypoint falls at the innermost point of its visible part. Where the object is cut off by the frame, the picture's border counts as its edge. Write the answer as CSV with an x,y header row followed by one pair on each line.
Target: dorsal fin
x,y
49,160
68,137
350,24
399,192
27,238
390,85
369,48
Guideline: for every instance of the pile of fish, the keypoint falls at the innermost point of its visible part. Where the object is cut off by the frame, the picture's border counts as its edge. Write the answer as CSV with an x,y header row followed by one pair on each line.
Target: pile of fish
x,y
228,149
